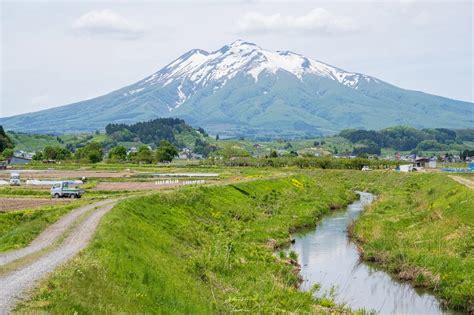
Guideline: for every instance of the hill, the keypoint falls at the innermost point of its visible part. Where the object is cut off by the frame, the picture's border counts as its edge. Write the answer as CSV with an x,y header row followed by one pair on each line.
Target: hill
x,y
242,89
150,133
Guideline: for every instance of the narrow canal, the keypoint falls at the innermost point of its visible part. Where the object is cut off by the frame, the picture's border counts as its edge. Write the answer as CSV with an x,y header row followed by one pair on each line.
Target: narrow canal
x,y
328,258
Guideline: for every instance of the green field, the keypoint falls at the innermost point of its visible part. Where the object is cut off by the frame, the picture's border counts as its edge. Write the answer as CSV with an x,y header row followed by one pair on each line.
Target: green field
x,y
197,250
212,249
423,231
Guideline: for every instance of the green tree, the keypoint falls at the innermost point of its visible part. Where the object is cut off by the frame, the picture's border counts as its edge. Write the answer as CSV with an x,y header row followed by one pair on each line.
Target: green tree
x,y
217,137
38,156
91,152
273,154
166,152
144,154
56,153
5,141
7,153
118,153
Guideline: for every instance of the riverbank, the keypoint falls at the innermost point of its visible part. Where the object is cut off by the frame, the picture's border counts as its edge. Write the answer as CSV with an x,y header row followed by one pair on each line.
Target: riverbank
x,y
197,250
422,231
210,249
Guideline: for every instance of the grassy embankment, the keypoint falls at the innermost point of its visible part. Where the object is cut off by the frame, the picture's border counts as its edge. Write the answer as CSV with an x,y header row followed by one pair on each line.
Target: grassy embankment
x,y
207,249
197,250
422,230
19,228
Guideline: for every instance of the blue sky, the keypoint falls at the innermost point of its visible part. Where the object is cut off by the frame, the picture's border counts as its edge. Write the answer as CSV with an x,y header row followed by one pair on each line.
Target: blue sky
x,y
56,53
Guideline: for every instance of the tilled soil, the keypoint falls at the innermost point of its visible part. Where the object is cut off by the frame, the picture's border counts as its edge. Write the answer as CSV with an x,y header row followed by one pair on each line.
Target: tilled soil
x,y
10,204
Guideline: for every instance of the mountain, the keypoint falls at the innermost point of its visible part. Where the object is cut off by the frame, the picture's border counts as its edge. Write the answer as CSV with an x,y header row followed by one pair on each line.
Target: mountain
x,y
242,89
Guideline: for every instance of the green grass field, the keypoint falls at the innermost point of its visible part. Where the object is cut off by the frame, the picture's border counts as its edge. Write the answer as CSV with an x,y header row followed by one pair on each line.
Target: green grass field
x,y
423,231
197,250
19,228
212,249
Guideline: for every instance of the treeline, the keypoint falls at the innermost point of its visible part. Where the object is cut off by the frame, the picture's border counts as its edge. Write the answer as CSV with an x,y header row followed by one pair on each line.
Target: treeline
x,y
151,132
406,139
6,145
94,152
303,162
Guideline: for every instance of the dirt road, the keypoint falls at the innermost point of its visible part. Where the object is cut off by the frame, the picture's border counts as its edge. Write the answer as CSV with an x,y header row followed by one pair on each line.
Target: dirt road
x,y
16,284
465,181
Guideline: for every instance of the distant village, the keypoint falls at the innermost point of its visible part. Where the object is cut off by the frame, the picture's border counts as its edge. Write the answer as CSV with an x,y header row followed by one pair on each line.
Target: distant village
x,y
408,163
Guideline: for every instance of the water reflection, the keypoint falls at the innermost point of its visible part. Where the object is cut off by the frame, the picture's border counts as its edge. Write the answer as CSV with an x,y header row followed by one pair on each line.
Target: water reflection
x,y
329,258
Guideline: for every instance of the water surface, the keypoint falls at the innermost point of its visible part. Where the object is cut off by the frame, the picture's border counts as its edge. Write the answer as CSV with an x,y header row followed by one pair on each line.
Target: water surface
x,y
329,258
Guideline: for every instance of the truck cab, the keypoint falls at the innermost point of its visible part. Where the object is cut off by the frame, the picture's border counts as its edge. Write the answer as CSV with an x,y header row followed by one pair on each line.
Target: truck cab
x,y
65,190
15,179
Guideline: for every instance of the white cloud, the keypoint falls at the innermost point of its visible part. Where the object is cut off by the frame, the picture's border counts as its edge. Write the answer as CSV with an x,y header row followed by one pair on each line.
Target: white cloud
x,y
317,21
107,23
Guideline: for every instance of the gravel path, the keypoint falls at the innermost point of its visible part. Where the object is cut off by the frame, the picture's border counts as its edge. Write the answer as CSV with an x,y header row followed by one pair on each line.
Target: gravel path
x,y
50,235
17,284
466,182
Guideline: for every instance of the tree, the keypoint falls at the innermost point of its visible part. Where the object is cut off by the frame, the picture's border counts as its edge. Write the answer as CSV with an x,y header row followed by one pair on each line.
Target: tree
x,y
217,137
466,153
56,153
204,148
5,141
144,154
118,153
202,131
166,152
38,156
273,154
7,153
91,152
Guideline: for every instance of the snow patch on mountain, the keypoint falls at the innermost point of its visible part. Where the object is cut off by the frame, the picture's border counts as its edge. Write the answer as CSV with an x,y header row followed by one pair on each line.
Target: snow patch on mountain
x,y
199,68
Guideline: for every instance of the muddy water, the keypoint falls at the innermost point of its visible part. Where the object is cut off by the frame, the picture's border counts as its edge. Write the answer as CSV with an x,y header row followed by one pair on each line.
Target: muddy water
x,y
329,258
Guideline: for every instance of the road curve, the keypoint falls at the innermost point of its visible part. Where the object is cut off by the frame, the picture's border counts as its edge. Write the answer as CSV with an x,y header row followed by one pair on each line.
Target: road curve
x,y
50,234
15,285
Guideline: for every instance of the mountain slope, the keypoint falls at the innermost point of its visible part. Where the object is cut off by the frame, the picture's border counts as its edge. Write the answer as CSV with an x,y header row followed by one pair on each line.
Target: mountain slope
x,y
242,89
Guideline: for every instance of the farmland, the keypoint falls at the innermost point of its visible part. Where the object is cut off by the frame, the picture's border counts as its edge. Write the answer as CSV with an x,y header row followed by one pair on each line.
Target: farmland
x,y
210,248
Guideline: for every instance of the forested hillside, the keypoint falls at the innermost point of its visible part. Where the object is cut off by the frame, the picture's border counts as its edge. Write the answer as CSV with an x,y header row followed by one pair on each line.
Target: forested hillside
x,y
403,138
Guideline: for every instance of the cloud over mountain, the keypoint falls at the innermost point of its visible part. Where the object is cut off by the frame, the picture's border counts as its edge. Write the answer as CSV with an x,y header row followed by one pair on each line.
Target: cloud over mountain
x,y
107,23
316,21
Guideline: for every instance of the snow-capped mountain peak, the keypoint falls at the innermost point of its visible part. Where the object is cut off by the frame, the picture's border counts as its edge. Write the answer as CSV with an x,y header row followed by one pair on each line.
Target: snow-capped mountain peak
x,y
242,89
198,68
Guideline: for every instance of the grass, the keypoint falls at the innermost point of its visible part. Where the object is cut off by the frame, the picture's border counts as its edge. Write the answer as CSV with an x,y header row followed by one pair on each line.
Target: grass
x,y
23,192
19,228
197,250
422,230
211,249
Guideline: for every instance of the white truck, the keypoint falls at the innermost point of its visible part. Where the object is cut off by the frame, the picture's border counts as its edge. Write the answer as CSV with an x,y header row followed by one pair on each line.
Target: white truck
x,y
65,189
15,179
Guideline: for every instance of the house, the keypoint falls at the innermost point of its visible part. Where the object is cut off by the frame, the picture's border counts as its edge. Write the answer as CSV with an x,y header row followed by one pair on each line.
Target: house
x,y
422,162
432,163
24,154
18,160
257,145
184,154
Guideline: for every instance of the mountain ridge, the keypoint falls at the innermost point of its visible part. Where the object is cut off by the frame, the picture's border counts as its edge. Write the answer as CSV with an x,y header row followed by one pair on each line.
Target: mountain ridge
x,y
242,89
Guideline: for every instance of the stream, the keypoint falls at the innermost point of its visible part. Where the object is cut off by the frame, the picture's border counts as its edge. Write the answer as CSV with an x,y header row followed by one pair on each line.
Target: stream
x,y
329,258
